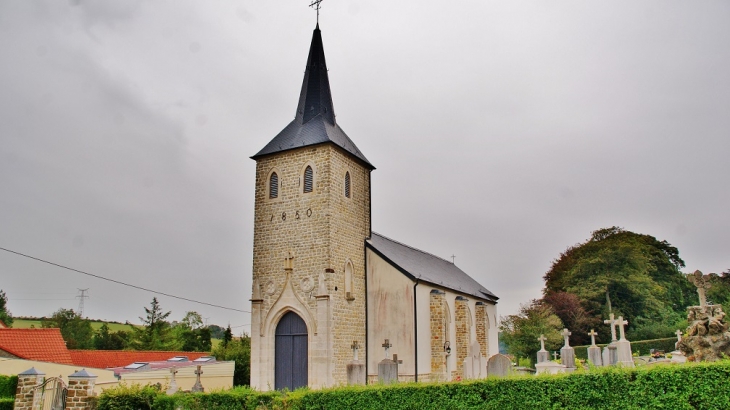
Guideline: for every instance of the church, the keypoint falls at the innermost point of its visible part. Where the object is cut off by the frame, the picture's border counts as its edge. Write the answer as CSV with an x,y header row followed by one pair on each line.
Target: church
x,y
326,288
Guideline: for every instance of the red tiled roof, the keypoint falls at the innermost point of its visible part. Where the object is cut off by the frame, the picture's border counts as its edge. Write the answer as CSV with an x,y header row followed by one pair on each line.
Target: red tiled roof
x,y
104,359
45,345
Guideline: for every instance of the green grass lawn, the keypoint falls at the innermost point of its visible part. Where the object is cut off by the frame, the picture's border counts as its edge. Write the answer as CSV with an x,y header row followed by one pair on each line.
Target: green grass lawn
x,y
96,324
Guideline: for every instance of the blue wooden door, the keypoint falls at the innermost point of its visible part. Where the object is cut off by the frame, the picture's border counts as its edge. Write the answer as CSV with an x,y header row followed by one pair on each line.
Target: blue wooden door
x,y
291,353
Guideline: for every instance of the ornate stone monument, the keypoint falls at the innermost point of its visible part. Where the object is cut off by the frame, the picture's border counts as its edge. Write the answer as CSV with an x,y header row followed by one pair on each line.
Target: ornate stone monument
x,y
623,346
594,352
542,354
707,336
567,353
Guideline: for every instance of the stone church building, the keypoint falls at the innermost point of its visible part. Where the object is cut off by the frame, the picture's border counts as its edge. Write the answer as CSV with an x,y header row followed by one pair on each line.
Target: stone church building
x,y
324,282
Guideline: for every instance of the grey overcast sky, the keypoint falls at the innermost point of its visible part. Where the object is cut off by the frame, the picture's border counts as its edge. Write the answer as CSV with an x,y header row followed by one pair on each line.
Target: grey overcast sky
x,y
502,132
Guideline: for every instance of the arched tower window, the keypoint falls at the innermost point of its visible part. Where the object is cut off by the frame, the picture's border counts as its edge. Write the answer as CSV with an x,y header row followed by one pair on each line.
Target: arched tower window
x,y
349,281
273,186
308,179
347,184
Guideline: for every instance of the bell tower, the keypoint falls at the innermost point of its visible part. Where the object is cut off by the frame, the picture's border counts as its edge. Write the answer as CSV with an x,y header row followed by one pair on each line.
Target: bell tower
x,y
312,217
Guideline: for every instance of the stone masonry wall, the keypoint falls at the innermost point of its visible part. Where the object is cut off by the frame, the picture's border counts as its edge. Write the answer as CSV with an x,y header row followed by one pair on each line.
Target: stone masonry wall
x,y
24,392
80,394
481,328
322,229
438,335
463,333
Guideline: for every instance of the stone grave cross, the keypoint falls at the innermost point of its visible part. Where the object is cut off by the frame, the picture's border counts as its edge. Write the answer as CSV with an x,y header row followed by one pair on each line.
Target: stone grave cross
x,y
542,340
565,334
679,335
173,384
702,282
555,355
621,323
355,347
593,335
395,359
197,387
612,322
387,346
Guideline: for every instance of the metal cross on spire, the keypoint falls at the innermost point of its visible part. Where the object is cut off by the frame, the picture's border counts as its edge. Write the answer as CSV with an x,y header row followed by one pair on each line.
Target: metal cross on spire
x,y
316,5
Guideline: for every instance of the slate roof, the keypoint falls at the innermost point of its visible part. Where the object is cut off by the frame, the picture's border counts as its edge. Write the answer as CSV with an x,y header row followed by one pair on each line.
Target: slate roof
x,y
314,122
426,267
104,359
44,345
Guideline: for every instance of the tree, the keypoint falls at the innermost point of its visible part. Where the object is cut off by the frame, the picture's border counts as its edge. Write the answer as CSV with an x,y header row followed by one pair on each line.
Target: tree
x,y
155,333
227,336
5,315
520,332
104,339
570,310
190,334
623,272
240,352
76,331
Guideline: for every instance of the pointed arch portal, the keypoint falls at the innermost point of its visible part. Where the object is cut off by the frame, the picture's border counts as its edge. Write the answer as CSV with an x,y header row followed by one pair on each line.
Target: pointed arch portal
x,y
291,351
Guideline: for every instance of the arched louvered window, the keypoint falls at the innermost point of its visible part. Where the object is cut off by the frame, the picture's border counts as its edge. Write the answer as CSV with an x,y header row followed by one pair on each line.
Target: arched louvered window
x,y
308,179
347,184
273,186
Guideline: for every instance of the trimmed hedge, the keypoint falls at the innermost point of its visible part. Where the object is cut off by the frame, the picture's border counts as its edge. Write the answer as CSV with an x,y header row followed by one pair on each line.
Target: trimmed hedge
x,y
642,347
690,386
7,403
8,386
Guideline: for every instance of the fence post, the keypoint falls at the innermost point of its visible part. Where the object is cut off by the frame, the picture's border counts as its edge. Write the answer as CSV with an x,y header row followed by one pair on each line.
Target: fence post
x,y
80,390
24,393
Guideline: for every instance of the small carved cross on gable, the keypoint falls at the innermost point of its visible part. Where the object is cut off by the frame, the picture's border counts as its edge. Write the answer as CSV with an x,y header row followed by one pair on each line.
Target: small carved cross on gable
x,y
387,346
289,261
702,283
542,340
593,335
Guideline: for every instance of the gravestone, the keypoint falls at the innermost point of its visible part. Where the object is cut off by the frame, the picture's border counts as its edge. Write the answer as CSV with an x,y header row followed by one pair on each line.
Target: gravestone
x,y
474,364
567,353
549,367
542,354
594,352
610,355
197,387
173,384
355,369
387,369
499,365
623,346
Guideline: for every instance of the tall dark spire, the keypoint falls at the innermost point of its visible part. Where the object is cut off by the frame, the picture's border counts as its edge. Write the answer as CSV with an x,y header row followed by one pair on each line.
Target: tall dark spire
x,y
316,97
314,122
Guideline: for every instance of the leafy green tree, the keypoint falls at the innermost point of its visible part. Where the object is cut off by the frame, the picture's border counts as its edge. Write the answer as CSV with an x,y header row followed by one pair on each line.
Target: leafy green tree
x,y
155,332
520,332
191,335
216,332
76,331
238,350
623,272
5,315
569,308
227,336
104,339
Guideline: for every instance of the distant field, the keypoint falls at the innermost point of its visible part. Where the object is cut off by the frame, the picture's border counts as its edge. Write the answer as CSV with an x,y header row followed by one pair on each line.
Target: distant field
x,y
28,323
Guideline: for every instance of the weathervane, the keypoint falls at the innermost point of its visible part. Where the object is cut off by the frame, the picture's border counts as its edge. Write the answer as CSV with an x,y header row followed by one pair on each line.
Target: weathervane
x,y
315,4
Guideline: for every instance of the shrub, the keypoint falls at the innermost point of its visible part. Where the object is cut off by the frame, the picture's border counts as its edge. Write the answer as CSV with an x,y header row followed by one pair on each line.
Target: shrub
x,y
7,403
691,386
8,385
